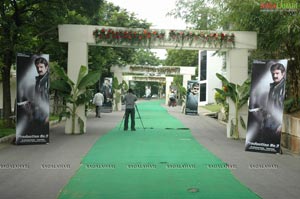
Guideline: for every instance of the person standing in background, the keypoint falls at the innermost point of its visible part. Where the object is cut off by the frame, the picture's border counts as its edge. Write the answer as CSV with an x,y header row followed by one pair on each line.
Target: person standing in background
x,y
98,101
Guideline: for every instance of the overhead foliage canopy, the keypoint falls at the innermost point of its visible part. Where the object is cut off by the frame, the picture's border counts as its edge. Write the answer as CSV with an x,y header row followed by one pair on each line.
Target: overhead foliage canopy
x,y
278,29
31,26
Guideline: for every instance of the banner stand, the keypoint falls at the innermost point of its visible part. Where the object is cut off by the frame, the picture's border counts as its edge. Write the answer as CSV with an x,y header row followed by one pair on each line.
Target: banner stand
x,y
266,106
192,97
32,106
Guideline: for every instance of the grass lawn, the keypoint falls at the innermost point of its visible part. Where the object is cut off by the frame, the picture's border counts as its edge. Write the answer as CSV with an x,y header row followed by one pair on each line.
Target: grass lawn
x,y
54,117
212,107
6,131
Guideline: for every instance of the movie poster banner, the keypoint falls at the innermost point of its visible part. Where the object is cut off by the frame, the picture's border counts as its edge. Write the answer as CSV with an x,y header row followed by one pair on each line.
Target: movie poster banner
x,y
106,90
193,88
172,96
266,106
32,104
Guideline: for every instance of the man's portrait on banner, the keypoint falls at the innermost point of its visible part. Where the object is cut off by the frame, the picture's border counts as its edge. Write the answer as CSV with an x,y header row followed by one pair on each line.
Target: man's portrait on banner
x,y
266,104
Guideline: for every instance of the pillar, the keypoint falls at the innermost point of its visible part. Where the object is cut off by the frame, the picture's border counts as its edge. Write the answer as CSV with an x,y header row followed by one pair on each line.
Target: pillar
x,y
117,92
169,81
237,73
185,80
187,73
77,56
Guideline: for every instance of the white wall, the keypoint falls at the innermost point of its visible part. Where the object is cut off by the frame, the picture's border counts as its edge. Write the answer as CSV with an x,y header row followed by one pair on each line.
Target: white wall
x,y
214,65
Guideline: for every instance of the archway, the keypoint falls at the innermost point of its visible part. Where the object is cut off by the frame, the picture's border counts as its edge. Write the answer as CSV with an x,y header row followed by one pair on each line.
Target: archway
x,y
235,43
186,72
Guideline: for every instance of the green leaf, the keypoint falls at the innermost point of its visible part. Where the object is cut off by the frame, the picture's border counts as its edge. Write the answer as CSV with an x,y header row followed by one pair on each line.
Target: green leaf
x,y
63,114
222,78
61,73
220,91
242,102
61,86
82,99
82,73
242,122
115,83
88,80
231,87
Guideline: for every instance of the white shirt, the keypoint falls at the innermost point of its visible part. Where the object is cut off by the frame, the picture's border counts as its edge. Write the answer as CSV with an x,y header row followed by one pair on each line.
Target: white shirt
x,y
98,99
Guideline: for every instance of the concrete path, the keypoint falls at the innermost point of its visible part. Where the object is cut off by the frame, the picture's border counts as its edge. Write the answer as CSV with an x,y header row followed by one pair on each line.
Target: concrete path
x,y
271,176
41,171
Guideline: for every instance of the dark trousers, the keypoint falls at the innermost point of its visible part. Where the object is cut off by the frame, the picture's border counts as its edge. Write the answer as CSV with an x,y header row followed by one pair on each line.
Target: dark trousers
x,y
131,112
98,111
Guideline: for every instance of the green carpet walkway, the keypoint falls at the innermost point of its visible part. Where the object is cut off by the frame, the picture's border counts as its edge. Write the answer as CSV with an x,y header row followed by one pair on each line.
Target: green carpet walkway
x,y
159,162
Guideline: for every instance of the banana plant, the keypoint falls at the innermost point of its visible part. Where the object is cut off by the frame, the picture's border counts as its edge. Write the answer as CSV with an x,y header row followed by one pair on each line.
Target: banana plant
x,y
239,94
74,94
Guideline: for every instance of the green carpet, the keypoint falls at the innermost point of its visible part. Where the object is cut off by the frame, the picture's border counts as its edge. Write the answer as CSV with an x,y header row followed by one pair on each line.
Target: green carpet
x,y
162,161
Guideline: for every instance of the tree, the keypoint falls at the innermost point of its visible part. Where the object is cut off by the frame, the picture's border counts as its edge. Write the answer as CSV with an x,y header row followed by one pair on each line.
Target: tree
x,y
31,26
199,14
278,38
278,31
145,57
102,58
182,58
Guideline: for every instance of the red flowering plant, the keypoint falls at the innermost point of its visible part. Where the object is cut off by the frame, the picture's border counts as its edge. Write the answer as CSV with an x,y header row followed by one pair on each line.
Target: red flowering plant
x,y
215,39
177,36
226,39
148,37
161,35
189,37
99,34
202,38
158,35
230,39
140,37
